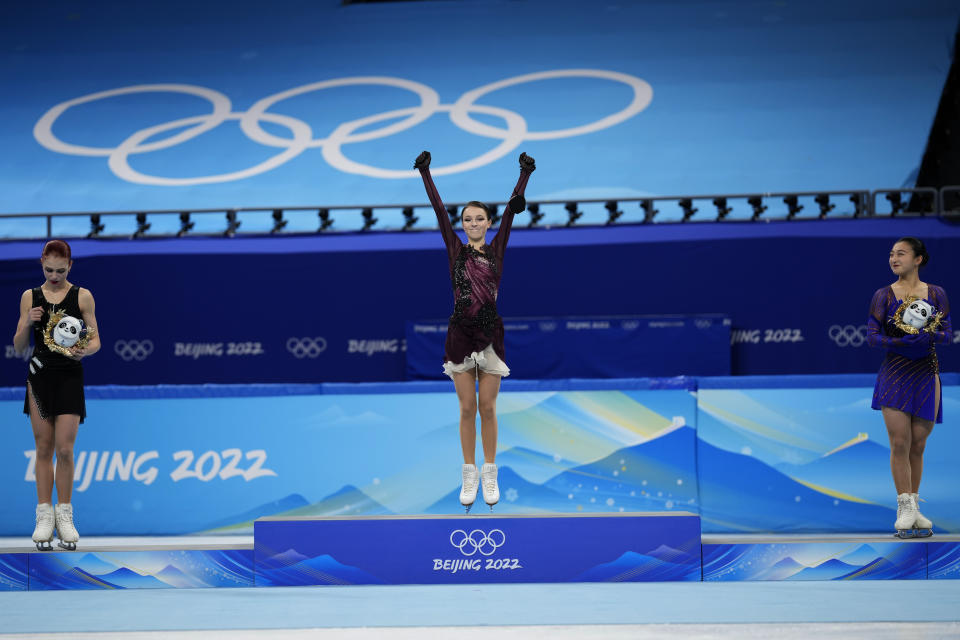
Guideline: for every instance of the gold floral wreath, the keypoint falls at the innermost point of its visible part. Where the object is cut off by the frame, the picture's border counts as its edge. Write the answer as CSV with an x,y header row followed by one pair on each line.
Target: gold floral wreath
x,y
932,324
55,317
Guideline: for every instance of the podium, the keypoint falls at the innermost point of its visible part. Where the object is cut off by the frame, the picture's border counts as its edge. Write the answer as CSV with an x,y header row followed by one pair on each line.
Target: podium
x,y
448,549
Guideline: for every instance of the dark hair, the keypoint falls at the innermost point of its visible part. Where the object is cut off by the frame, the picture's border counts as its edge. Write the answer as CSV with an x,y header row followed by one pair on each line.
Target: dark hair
x,y
919,249
58,248
478,205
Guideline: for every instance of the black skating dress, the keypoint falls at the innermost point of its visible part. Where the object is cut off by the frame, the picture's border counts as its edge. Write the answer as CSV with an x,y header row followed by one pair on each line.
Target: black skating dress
x,y
55,380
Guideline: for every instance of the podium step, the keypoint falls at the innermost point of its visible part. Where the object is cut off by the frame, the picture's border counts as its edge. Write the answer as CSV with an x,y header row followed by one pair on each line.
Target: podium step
x,y
829,557
445,549
128,563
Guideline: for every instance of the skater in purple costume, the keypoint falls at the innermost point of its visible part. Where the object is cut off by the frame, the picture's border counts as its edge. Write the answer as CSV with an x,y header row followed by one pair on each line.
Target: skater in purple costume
x,y
474,352
908,384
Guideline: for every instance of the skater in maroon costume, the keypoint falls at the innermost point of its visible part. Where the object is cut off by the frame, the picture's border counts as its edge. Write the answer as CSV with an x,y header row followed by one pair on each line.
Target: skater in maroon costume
x,y
474,353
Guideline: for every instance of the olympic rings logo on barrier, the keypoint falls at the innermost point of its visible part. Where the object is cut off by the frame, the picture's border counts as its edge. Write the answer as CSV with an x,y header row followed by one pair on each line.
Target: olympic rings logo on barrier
x,y
301,135
131,350
306,347
848,335
477,541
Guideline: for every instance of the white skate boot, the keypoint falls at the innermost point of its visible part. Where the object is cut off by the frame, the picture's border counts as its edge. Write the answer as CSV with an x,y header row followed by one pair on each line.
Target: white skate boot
x,y
488,477
923,525
43,534
65,530
468,491
906,517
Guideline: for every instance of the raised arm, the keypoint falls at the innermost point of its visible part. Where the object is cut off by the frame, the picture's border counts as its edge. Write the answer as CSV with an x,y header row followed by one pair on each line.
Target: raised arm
x,y
450,238
517,204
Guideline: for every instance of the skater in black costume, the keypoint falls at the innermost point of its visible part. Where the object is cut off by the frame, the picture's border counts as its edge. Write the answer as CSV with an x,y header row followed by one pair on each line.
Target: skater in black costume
x,y
54,395
474,352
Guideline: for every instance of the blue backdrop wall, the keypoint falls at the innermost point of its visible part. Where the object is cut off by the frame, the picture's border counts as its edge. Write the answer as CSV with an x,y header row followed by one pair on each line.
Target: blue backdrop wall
x,y
779,454
124,106
321,309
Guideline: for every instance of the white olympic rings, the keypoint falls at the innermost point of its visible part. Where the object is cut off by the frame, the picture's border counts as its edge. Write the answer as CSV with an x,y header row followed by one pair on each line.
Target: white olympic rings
x,y
306,347
848,335
511,137
131,350
477,541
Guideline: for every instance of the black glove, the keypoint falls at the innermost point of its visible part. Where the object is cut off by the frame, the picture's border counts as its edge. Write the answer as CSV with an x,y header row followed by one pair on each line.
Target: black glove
x,y
517,204
527,163
422,161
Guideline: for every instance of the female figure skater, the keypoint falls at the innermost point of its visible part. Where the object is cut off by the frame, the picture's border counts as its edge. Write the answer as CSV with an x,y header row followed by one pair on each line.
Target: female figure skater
x,y
473,353
54,397
908,384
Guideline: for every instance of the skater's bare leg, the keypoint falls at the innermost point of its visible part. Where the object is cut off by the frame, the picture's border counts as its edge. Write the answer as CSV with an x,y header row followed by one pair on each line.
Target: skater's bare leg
x,y
489,389
466,386
65,436
919,432
900,432
43,433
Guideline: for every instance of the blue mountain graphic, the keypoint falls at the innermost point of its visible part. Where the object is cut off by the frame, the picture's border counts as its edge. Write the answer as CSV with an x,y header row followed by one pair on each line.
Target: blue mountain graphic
x,y
782,570
664,553
292,501
739,493
127,579
283,560
346,501
94,564
905,561
657,472
829,570
861,556
319,570
636,567
535,465
862,470
46,573
174,577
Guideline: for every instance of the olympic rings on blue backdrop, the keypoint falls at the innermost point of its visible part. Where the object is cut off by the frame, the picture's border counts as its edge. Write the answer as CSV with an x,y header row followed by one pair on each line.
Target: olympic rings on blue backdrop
x,y
477,541
512,135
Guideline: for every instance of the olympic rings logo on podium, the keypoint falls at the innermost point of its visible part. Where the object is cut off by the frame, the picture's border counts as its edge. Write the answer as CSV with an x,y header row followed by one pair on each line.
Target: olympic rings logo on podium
x,y
848,335
131,350
477,541
301,136
306,347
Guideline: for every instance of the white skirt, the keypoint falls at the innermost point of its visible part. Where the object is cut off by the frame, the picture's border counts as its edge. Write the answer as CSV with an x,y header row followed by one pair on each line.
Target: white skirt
x,y
487,361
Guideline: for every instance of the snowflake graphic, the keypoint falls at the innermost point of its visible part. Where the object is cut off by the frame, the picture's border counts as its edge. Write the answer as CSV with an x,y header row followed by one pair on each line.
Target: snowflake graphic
x,y
512,494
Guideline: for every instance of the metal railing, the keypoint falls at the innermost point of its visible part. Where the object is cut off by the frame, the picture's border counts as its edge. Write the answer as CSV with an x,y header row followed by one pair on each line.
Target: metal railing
x,y
743,207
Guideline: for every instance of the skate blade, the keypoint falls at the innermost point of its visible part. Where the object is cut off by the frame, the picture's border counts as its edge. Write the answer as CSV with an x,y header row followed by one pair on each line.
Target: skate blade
x,y
69,546
905,535
43,546
922,533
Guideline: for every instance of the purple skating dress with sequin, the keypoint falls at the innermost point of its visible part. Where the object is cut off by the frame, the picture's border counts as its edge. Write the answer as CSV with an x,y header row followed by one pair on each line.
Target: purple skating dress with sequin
x,y
475,323
910,373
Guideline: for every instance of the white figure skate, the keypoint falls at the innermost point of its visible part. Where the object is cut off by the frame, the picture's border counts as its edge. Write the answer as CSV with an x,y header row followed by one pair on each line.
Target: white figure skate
x,y
906,523
65,530
488,478
923,526
43,534
468,490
